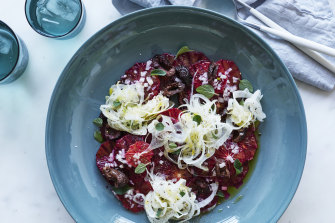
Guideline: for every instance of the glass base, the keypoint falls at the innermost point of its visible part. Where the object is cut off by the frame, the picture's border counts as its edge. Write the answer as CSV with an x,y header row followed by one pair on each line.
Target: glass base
x,y
21,64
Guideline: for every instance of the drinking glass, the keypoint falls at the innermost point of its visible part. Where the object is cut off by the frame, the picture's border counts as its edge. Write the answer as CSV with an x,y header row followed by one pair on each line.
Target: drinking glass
x,y
13,55
61,19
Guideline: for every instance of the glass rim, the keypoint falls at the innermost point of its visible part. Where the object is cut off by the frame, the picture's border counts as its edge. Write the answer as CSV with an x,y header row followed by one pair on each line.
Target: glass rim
x,y
55,36
18,49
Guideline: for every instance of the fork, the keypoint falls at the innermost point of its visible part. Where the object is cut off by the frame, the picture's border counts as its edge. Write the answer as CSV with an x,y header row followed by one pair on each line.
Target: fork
x,y
307,46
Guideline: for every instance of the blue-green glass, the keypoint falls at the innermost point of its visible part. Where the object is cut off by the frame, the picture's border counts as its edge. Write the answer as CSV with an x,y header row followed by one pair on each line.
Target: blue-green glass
x,y
13,55
55,18
9,51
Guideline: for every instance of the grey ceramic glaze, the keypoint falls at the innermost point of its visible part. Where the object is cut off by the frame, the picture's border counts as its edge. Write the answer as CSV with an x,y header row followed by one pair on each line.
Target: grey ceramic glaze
x,y
71,148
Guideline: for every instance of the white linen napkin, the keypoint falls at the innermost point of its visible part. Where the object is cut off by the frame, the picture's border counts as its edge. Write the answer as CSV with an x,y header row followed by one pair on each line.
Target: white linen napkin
x,y
310,19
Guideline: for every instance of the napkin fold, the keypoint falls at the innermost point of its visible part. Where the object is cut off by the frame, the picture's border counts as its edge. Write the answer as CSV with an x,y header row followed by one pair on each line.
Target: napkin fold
x,y
155,3
311,19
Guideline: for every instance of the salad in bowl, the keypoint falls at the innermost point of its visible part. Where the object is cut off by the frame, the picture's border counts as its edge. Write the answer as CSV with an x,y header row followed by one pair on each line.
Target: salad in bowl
x,y
176,132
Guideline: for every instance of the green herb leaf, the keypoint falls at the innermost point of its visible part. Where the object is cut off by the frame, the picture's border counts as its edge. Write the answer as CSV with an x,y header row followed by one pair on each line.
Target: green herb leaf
x,y
238,166
214,136
206,90
197,119
245,84
158,72
176,152
121,190
213,107
97,122
182,193
220,194
172,145
159,212
141,168
159,126
238,199
116,104
182,50
98,136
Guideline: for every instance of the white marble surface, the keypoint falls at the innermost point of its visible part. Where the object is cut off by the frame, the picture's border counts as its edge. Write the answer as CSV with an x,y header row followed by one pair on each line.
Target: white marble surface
x,y
26,192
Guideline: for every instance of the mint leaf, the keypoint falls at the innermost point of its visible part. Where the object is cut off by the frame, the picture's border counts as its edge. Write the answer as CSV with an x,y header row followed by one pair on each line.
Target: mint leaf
x,y
197,119
116,104
172,145
238,166
157,72
98,136
214,136
97,122
182,50
244,83
159,212
176,152
159,126
141,168
206,90
121,190
220,194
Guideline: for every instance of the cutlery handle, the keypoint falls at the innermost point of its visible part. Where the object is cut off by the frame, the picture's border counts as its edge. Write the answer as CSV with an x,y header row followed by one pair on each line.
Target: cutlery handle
x,y
299,41
314,55
318,58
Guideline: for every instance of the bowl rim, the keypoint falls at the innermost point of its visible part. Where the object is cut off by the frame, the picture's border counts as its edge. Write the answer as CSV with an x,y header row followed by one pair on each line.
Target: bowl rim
x,y
142,12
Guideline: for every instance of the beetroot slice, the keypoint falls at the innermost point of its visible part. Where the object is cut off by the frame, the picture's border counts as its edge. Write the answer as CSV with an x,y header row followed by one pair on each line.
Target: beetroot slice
x,y
140,72
189,58
138,153
164,166
126,141
136,179
105,149
201,187
107,155
130,204
107,132
248,146
228,75
102,156
237,180
164,61
173,113
199,71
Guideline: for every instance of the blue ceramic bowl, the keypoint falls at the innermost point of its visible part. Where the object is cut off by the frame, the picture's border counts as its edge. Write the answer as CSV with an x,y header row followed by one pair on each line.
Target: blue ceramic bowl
x,y
71,148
